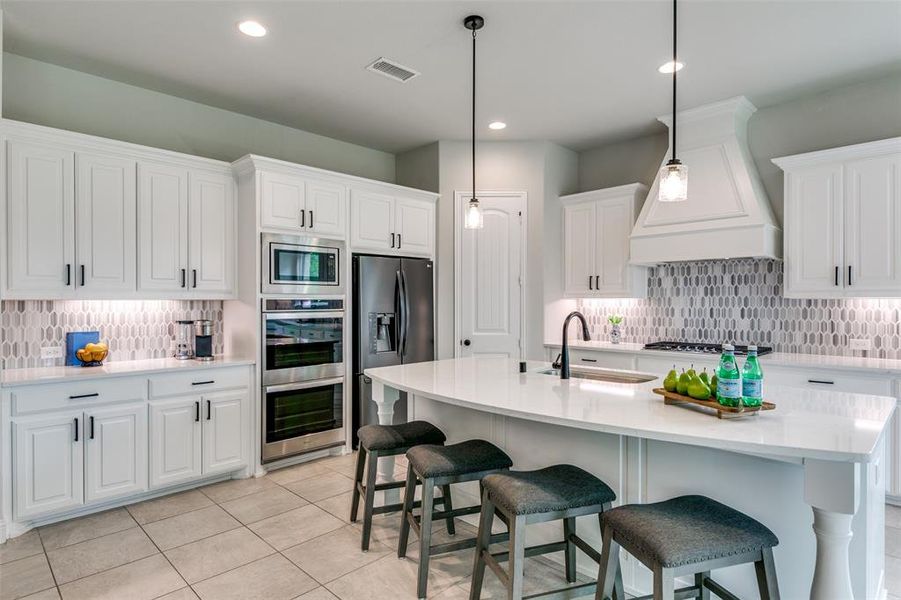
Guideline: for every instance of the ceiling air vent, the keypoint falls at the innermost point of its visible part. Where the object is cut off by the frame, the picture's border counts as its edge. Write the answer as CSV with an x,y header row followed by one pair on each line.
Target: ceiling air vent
x,y
392,70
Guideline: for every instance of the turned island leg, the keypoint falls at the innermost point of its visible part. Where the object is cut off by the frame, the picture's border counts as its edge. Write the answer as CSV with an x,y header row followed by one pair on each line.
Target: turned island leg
x,y
384,398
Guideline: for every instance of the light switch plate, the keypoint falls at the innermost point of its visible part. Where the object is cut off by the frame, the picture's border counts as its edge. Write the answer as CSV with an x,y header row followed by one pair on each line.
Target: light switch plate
x,y
861,344
52,352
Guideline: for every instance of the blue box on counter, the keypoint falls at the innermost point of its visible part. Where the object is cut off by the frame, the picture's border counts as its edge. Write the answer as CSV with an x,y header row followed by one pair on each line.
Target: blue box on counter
x,y
76,340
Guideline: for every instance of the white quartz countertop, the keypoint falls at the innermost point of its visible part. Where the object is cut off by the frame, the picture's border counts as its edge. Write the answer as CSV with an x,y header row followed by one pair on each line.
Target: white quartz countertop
x,y
826,425
815,361
38,375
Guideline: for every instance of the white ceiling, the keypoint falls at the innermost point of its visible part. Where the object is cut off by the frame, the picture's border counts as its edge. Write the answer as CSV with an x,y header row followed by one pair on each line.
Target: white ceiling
x,y
576,73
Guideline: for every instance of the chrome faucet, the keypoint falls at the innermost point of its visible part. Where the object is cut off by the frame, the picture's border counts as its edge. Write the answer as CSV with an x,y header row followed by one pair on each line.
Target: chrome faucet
x,y
564,359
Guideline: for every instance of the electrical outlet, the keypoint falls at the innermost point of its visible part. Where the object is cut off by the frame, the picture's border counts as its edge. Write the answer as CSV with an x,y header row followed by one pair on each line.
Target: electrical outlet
x,y
861,344
52,352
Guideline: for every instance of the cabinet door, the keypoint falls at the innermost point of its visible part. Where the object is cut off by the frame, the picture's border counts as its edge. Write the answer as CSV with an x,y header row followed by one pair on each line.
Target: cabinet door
x,y
813,231
414,225
106,239
282,199
614,225
326,205
175,441
162,228
873,226
579,248
224,431
371,221
115,452
48,463
211,239
41,220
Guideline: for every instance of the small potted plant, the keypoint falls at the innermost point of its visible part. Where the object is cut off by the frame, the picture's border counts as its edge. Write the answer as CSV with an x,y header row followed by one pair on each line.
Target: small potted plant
x,y
615,334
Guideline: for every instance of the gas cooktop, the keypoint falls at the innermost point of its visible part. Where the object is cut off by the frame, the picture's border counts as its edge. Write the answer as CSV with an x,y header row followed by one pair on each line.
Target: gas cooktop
x,y
699,348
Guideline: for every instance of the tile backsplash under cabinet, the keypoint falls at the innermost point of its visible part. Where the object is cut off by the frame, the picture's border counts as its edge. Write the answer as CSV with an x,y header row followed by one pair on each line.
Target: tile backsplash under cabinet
x,y
741,301
134,329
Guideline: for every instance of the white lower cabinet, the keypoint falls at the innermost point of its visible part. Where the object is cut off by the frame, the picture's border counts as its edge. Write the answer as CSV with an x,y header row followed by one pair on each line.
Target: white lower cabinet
x,y
224,432
115,454
174,441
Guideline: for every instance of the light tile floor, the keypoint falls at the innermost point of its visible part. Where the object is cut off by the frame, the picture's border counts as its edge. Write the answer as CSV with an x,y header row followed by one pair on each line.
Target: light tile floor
x,y
283,536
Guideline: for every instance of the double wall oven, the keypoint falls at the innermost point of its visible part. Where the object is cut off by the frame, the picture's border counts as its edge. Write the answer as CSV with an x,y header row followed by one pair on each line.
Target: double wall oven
x,y
303,372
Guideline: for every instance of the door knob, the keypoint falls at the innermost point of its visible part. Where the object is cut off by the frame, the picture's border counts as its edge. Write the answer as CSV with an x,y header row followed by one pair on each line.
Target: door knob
x,y
466,342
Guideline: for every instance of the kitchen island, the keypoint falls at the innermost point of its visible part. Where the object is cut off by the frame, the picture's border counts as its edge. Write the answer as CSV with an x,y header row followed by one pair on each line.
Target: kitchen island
x,y
818,450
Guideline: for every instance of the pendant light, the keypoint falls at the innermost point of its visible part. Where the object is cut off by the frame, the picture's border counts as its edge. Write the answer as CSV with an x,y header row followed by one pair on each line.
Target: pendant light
x,y
473,218
673,186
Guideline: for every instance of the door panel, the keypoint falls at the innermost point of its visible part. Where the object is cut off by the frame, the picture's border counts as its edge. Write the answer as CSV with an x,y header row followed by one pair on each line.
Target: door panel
x,y
116,452
326,205
490,271
372,221
224,431
873,226
282,201
419,342
614,224
41,219
48,463
212,233
175,441
162,227
414,225
579,248
106,206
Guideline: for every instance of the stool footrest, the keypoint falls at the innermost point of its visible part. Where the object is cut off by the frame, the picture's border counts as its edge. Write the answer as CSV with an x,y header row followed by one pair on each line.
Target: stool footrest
x,y
586,548
573,591
686,592
531,551
464,544
415,520
719,590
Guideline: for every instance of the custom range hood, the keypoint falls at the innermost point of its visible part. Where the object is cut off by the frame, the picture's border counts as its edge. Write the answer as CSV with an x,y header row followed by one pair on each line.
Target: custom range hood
x,y
727,214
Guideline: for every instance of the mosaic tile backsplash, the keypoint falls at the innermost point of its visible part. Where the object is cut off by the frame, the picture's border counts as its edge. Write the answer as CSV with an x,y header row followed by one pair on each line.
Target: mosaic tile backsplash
x,y
741,301
134,329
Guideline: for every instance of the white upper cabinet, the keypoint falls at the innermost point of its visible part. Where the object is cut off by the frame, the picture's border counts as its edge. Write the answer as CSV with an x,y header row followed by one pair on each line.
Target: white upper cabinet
x,y
106,240
303,205
414,222
326,206
162,228
282,202
596,229
391,224
843,222
40,221
211,233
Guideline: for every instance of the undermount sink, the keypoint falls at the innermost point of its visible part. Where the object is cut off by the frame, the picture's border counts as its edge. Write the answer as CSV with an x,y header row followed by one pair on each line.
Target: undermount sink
x,y
609,375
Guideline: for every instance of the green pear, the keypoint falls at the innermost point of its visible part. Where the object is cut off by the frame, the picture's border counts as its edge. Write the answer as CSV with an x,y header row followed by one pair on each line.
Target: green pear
x,y
669,384
691,371
713,381
682,384
704,377
698,389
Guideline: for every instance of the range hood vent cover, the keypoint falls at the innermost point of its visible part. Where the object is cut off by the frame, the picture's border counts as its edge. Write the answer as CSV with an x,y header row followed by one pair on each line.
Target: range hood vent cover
x,y
727,213
392,70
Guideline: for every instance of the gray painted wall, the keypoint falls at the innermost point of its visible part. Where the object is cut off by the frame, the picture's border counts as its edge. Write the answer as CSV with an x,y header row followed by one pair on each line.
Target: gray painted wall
x,y
46,94
418,168
847,115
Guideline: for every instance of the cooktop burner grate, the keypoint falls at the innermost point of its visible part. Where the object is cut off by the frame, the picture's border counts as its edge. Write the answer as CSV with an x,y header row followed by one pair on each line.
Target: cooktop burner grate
x,y
701,348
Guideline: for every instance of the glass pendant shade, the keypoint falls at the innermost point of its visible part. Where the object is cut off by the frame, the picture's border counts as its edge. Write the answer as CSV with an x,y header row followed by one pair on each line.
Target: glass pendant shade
x,y
473,218
673,182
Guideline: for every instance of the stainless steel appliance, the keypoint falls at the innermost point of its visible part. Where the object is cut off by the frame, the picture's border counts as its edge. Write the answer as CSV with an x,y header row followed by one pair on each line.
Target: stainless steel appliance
x,y
701,348
184,340
301,265
203,340
303,375
393,319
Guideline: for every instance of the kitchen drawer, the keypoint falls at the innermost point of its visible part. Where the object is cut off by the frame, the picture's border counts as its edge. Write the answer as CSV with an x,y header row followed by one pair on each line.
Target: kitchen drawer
x,y
198,382
76,394
836,381
605,360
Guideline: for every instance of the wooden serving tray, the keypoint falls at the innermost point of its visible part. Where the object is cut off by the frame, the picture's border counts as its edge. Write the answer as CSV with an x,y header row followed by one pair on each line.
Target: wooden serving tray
x,y
723,412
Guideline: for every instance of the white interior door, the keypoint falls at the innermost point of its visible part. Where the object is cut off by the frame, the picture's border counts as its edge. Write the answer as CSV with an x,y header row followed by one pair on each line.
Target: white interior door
x,y
489,276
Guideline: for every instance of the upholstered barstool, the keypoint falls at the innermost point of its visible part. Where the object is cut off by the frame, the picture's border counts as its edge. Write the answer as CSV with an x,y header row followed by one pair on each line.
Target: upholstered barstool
x,y
442,466
379,441
559,492
688,535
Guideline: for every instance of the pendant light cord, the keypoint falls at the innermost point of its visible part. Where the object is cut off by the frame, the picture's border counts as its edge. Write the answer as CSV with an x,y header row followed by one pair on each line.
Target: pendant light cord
x,y
674,80
473,115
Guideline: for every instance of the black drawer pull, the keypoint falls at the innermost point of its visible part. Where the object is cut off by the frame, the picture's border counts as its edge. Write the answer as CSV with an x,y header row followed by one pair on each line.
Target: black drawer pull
x,y
311,218
398,241
849,275
821,381
209,410
76,429
303,218
184,278
194,274
590,278
197,411
92,427
82,275
392,240
94,395
589,360
836,275
68,274
203,382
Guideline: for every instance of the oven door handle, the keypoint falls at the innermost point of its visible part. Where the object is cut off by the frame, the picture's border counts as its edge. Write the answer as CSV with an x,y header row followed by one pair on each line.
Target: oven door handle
x,y
288,387
311,314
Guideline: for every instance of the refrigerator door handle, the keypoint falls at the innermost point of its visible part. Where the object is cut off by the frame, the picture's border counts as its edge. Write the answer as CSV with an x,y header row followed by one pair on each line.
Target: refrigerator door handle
x,y
399,311
406,298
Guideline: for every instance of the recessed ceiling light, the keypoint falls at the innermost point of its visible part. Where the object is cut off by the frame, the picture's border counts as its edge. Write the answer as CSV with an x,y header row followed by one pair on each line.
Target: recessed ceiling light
x,y
496,125
668,67
251,28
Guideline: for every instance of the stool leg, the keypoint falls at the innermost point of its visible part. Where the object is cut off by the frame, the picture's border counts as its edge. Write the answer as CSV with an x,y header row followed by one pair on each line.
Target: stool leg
x,y
448,505
407,513
517,557
425,535
703,592
358,481
369,501
664,584
766,576
486,518
569,530
610,582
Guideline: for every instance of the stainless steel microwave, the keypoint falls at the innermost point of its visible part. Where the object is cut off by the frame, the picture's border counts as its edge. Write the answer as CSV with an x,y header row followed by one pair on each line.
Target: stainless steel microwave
x,y
301,265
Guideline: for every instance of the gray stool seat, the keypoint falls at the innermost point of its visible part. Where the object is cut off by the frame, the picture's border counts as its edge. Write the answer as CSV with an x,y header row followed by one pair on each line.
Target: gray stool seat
x,y
687,530
404,435
471,456
552,489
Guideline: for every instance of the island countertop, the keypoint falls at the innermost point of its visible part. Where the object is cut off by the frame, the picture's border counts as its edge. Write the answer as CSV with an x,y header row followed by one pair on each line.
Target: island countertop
x,y
825,425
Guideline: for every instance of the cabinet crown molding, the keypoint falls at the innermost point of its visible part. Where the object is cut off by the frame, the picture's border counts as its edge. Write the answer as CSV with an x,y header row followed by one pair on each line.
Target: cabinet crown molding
x,y
840,154
637,189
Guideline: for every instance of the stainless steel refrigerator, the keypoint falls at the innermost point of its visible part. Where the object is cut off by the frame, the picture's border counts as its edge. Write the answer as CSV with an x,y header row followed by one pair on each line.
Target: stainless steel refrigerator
x,y
393,318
